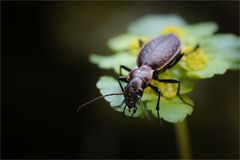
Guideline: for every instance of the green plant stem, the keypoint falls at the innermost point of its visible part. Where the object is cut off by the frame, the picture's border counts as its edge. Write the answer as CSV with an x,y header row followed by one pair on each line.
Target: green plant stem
x,y
183,140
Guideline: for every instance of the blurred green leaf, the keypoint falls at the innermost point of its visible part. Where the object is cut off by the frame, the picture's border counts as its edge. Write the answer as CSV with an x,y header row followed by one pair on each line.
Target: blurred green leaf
x,y
213,67
225,47
151,25
108,85
221,41
114,61
193,33
121,42
186,86
202,29
170,110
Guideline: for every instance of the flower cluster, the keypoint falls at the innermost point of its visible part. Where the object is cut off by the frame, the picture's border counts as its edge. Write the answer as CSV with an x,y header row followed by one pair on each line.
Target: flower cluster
x,y
205,55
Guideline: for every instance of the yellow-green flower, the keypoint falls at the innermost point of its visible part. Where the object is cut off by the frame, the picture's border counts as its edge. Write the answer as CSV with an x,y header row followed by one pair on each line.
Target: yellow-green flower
x,y
197,60
178,31
134,44
201,62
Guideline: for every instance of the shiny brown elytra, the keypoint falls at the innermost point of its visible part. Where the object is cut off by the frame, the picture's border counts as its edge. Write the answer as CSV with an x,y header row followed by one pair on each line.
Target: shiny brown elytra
x,y
154,57
159,52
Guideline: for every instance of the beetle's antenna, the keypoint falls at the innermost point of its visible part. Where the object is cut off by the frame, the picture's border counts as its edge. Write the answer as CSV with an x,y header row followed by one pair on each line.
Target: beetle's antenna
x,y
94,99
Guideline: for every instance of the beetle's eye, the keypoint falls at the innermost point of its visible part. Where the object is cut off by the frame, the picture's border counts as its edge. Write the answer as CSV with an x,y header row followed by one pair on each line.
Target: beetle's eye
x,y
139,93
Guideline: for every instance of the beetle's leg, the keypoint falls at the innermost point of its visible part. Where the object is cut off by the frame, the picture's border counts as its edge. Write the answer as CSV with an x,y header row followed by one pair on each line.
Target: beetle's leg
x,y
120,104
123,67
175,60
157,90
124,112
143,107
134,111
124,79
171,64
194,49
140,42
178,89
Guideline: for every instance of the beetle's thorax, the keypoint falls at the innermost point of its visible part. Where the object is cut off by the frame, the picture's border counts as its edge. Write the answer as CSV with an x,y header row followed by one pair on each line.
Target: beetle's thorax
x,y
143,72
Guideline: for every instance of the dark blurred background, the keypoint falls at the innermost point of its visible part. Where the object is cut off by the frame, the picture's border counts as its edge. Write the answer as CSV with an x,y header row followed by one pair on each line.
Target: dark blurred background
x,y
46,75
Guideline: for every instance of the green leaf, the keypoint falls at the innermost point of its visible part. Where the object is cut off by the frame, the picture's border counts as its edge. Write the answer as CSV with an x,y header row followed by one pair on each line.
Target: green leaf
x,y
213,67
121,42
202,29
114,61
186,86
221,41
197,31
170,110
108,85
151,25
224,47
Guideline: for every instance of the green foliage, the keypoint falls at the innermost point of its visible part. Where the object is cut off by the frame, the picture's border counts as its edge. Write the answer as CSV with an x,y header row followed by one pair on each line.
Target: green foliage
x,y
213,67
108,85
113,61
201,30
171,110
223,47
195,32
151,25
121,42
217,54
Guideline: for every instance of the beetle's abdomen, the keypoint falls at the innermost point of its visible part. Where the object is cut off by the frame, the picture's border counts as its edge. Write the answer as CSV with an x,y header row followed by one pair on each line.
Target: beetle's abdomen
x,y
159,52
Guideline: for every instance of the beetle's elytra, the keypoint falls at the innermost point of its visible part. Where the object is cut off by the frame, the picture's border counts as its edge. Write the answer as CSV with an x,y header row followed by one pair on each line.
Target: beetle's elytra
x,y
154,57
159,52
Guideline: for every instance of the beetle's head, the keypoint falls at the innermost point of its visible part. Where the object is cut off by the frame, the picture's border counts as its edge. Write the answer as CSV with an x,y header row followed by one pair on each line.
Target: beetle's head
x,y
133,92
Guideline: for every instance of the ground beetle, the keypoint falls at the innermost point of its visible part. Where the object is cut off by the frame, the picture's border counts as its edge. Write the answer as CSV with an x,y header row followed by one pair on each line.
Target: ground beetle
x,y
154,57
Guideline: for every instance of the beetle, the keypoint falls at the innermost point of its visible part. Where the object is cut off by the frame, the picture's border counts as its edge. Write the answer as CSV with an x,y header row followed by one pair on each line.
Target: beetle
x,y
154,57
